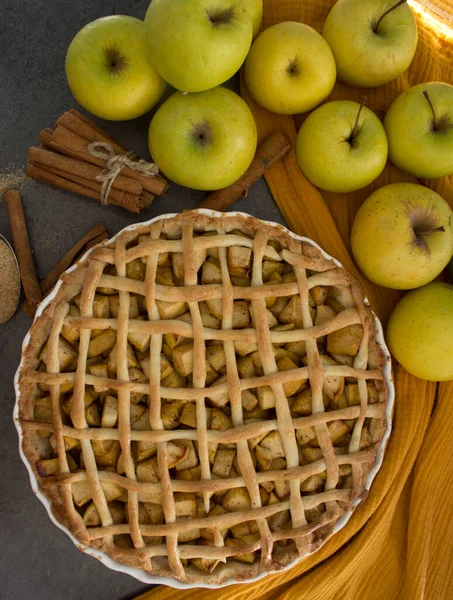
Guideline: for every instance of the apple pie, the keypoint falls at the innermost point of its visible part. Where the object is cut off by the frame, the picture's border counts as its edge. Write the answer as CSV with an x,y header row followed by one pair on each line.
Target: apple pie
x,y
204,396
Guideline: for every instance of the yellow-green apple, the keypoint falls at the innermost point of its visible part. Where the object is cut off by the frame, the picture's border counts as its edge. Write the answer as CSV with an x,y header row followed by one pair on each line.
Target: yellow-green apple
x,y
290,68
420,332
373,41
205,140
419,127
402,236
341,146
198,44
255,8
109,69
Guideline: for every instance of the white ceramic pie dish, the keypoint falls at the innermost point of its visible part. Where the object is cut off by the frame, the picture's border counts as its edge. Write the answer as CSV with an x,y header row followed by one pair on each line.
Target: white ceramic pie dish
x,y
140,574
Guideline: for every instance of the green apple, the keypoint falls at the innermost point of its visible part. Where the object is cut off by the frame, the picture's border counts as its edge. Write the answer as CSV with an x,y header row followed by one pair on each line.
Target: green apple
x,y
419,127
341,146
402,236
255,8
109,69
373,41
204,140
198,44
290,68
420,332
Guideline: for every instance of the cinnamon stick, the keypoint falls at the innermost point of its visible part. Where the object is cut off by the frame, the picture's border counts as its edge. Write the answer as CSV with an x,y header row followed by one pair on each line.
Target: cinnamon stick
x,y
73,145
97,233
272,149
132,203
82,126
29,309
45,137
115,197
86,120
95,236
83,169
148,197
94,242
95,133
22,248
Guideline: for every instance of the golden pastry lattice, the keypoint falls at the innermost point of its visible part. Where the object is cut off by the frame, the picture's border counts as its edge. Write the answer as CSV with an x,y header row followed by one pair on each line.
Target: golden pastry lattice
x,y
311,270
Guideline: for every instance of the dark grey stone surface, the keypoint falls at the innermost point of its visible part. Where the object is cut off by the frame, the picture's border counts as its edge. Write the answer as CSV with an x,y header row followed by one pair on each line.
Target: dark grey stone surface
x,y
37,560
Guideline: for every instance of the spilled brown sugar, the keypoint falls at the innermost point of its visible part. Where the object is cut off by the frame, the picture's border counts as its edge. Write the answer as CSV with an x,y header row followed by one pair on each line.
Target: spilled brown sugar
x,y
11,180
9,282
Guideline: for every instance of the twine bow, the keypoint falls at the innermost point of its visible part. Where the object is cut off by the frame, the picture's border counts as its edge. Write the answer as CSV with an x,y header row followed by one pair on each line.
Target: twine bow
x,y
115,163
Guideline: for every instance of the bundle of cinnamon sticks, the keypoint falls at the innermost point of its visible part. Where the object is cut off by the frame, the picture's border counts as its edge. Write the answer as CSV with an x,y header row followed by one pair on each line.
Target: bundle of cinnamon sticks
x,y
64,161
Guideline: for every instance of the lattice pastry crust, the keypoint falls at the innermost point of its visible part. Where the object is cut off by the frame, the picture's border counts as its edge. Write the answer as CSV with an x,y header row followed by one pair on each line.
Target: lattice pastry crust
x,y
204,398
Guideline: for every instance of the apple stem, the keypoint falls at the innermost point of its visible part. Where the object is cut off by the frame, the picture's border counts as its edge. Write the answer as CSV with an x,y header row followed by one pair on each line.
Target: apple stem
x,y
356,124
391,9
433,110
428,231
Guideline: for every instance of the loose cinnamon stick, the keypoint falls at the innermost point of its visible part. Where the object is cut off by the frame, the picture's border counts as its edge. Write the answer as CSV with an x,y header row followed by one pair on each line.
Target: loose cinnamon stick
x,y
94,242
272,149
96,235
75,122
82,169
132,203
22,248
73,145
